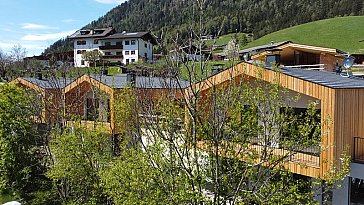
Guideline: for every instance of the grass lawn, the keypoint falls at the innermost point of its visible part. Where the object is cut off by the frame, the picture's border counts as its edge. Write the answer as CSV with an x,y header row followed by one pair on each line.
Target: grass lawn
x,y
343,33
222,40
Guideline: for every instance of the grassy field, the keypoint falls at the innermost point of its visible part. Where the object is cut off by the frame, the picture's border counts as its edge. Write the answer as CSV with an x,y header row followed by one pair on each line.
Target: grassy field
x,y
222,40
343,33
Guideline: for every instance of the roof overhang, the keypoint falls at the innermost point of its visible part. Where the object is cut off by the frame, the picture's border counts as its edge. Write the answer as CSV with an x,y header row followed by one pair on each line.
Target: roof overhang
x,y
25,83
301,47
90,80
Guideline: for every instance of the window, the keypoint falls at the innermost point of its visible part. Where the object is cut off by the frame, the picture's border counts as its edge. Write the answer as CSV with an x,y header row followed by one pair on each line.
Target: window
x,y
82,62
81,42
81,51
108,53
119,43
92,109
132,52
127,43
119,53
127,52
146,45
132,60
127,61
96,41
107,43
132,42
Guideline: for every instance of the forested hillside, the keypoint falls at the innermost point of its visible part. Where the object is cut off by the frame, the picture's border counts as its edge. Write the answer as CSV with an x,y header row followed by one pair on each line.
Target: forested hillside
x,y
165,18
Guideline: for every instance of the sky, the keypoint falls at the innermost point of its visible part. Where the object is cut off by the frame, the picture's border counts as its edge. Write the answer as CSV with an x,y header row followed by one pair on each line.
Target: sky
x,y
36,24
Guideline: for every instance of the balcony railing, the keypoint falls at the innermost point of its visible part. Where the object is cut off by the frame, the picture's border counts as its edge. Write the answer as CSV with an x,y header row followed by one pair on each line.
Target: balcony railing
x,y
308,67
309,155
111,47
112,57
358,150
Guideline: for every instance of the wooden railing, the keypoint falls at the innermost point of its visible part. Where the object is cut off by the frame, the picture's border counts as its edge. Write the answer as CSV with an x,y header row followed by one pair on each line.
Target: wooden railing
x,y
309,155
308,67
90,124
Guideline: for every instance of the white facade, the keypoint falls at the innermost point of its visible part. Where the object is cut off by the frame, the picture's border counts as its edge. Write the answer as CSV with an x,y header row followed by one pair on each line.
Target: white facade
x,y
81,46
125,50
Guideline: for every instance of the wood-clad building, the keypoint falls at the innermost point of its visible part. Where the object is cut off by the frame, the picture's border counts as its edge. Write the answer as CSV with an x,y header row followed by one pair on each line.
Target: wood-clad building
x,y
341,108
290,54
49,96
92,98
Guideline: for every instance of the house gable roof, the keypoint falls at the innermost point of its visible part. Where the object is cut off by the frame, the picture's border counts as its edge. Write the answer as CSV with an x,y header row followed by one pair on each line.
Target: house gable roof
x,y
321,78
142,35
324,78
257,49
43,84
302,47
92,33
123,81
109,83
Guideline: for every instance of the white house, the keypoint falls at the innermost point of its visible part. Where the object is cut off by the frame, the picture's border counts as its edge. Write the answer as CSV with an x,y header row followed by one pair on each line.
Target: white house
x,y
116,47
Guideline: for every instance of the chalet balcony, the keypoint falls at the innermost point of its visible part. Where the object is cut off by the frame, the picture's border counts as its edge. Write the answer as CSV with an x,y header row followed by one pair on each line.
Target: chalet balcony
x,y
112,57
358,150
90,125
308,67
111,47
308,155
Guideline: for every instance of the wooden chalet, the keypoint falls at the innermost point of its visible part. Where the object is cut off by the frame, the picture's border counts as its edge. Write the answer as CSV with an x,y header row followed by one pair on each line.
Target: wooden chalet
x,y
294,55
50,95
340,101
92,97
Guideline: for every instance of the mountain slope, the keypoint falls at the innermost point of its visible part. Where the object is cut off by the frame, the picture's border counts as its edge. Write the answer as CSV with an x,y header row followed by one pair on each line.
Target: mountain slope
x,y
165,18
344,33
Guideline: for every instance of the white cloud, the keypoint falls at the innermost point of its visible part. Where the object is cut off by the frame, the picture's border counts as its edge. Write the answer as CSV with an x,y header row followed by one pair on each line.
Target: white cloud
x,y
33,26
111,1
48,36
6,45
9,46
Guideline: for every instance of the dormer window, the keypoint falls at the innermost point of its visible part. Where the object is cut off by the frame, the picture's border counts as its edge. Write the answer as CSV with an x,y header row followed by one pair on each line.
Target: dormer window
x,y
127,43
99,31
85,32
132,42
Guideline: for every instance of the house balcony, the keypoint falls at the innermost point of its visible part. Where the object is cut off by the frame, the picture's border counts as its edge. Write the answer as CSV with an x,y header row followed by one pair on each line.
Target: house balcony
x,y
112,57
358,150
111,47
308,67
91,125
308,155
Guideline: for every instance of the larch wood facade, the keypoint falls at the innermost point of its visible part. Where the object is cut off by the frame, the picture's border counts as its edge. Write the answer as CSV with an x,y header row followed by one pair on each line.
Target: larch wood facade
x,y
342,112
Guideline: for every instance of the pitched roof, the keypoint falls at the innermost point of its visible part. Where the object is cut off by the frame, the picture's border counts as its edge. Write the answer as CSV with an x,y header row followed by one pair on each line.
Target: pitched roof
x,y
144,35
325,78
92,33
264,47
47,83
124,80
